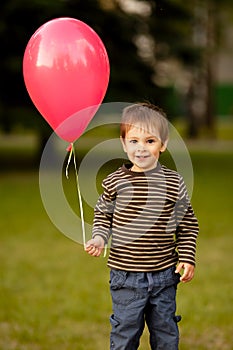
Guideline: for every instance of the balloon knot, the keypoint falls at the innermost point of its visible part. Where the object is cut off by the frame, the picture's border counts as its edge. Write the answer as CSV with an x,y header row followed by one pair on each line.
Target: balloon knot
x,y
69,148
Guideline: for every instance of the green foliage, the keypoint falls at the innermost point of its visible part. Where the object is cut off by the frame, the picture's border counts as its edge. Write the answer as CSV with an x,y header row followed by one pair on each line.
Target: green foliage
x,y
172,28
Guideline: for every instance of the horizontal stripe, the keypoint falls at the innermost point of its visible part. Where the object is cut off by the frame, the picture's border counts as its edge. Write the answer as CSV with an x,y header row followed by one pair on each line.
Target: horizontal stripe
x,y
150,218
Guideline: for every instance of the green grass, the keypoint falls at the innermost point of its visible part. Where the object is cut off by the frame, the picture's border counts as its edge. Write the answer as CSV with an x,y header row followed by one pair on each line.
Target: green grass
x,y
54,296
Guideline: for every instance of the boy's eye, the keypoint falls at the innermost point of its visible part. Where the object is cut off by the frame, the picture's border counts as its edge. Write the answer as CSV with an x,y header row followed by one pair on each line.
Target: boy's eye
x,y
133,141
151,140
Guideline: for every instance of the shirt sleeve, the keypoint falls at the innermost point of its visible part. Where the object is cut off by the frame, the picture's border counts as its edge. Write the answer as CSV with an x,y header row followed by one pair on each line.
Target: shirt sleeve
x,y
103,213
187,227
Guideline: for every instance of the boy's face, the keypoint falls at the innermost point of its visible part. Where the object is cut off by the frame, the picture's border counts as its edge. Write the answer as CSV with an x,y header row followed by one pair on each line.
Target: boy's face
x,y
143,148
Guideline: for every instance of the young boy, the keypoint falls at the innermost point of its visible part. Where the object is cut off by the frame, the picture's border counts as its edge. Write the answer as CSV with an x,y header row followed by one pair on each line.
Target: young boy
x,y
146,211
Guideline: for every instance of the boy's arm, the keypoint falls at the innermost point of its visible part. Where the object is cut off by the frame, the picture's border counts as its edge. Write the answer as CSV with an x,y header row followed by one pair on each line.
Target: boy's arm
x,y
186,235
102,224
103,213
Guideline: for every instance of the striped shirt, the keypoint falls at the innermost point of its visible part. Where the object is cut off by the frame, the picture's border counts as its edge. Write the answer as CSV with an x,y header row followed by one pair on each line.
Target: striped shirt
x,y
149,219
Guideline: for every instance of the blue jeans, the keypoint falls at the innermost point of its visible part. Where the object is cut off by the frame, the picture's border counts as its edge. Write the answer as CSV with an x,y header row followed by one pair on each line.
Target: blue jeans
x,y
139,297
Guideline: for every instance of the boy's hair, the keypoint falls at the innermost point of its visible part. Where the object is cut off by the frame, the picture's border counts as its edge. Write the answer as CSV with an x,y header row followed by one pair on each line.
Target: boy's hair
x,y
148,116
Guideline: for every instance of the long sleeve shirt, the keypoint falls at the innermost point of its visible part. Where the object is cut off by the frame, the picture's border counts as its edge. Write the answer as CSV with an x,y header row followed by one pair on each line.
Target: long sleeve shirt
x,y
149,219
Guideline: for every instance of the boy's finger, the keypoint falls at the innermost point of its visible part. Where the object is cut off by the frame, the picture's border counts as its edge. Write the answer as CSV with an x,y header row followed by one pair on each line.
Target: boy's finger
x,y
89,247
178,268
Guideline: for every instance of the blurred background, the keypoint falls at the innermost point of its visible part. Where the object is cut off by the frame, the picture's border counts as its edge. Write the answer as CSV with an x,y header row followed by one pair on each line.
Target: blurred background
x,y
176,54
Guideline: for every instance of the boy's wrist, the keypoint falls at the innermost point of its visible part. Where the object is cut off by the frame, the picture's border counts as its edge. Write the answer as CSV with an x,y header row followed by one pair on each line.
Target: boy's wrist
x,y
99,239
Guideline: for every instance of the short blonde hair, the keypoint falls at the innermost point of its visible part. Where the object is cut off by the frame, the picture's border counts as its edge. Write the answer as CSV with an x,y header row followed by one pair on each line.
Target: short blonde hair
x,y
147,116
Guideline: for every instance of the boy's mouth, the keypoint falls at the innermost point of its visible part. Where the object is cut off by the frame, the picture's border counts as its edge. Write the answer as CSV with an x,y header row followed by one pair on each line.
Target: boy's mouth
x,y
142,157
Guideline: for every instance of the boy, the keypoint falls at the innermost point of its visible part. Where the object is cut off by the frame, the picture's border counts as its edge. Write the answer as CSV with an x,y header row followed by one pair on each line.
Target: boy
x,y
146,211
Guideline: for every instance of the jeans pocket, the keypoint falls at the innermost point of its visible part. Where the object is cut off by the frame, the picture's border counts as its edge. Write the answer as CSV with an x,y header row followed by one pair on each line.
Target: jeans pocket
x,y
177,278
117,279
114,321
122,295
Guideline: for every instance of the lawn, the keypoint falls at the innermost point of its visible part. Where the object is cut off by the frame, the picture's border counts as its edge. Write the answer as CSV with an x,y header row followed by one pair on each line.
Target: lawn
x,y
53,296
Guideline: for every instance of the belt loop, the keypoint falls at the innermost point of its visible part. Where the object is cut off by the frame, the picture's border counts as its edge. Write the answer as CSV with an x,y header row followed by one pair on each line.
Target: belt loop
x,y
150,281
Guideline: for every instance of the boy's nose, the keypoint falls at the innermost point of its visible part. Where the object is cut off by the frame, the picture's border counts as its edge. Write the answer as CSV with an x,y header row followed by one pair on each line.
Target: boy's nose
x,y
141,147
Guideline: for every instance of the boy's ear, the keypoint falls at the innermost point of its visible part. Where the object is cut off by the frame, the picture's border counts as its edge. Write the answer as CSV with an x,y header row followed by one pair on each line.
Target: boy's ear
x,y
123,143
164,146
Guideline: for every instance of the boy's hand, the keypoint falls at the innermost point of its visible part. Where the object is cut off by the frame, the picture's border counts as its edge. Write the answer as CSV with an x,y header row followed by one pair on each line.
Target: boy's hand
x,y
188,271
95,246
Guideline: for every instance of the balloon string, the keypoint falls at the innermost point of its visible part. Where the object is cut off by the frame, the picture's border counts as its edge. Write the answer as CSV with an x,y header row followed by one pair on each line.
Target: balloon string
x,y
68,162
72,152
105,250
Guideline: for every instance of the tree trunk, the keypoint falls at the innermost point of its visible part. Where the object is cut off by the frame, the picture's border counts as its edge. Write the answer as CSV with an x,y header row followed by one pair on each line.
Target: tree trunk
x,y
210,119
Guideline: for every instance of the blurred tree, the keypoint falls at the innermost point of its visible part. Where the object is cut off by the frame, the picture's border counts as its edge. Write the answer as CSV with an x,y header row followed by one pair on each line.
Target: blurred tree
x,y
19,19
142,38
190,32
130,77
174,55
209,30
209,22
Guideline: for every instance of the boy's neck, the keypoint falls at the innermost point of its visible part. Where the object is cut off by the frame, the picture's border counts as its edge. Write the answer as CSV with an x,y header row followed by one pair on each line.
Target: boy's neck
x,y
137,169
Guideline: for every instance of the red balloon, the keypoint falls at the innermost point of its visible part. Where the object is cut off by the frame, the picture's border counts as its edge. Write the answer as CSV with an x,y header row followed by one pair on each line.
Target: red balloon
x,y
66,70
